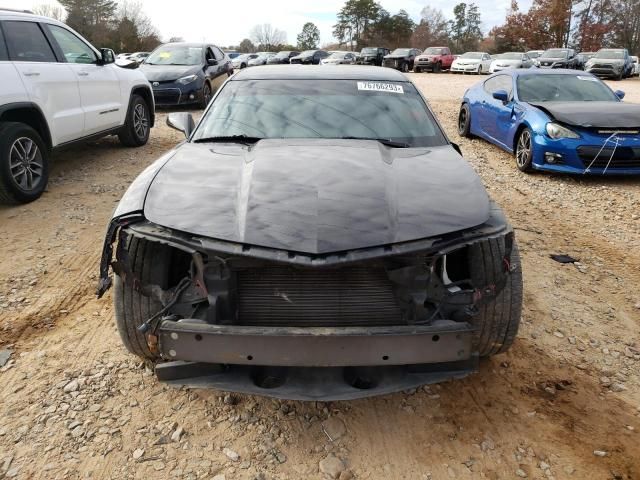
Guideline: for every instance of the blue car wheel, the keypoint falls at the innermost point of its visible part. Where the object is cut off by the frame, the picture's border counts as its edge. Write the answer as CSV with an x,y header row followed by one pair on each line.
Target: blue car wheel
x,y
524,150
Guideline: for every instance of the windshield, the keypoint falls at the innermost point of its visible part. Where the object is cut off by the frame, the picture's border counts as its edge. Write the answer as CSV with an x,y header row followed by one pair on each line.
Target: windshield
x,y
555,53
239,58
617,54
401,51
510,56
338,55
433,51
283,55
369,51
533,54
563,88
175,55
307,53
321,109
475,55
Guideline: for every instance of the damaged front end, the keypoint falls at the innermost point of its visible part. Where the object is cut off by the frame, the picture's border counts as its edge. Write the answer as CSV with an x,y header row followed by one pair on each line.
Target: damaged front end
x,y
313,327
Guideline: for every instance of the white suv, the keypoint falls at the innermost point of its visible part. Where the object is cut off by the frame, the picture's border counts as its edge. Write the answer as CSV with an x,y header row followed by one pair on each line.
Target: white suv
x,y
56,89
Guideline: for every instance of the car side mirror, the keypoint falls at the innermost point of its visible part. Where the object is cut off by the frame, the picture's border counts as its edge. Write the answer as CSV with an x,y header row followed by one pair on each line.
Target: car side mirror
x,y
212,62
107,56
620,94
181,121
501,95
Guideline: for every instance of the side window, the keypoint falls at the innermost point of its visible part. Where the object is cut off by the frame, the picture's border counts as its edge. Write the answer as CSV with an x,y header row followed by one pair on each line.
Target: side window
x,y
27,43
209,54
218,53
4,56
500,82
73,49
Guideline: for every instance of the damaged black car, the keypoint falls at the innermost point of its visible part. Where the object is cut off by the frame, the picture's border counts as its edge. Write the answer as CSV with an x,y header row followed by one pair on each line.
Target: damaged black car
x,y
317,237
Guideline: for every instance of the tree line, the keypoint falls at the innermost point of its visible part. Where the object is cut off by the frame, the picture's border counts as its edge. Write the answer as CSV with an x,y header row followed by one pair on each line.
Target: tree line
x,y
120,25
587,25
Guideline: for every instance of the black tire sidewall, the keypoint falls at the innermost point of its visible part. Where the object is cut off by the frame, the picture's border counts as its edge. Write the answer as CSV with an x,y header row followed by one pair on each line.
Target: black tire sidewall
x,y
528,166
9,133
466,131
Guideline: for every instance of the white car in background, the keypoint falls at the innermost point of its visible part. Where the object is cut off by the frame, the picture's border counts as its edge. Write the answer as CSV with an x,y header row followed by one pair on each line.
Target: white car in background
x,y
534,54
339,58
261,59
472,62
57,89
508,60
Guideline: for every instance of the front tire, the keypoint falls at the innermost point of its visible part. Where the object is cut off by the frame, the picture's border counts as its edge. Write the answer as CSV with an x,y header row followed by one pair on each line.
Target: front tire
x,y
497,321
24,164
417,69
464,121
136,129
405,67
524,150
149,262
437,68
206,95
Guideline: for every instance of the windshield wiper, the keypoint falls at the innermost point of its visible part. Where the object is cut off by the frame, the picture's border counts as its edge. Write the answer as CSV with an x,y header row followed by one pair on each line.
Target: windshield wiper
x,y
243,139
385,141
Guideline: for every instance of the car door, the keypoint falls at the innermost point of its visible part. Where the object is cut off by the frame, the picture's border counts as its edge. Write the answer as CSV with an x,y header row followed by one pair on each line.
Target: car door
x,y
486,62
100,93
221,70
496,115
49,82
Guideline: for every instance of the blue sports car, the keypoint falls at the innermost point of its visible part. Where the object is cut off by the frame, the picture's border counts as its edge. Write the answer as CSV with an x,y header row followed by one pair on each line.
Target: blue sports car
x,y
564,121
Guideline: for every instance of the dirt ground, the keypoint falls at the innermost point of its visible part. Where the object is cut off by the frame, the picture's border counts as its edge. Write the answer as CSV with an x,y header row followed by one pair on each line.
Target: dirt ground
x,y
564,403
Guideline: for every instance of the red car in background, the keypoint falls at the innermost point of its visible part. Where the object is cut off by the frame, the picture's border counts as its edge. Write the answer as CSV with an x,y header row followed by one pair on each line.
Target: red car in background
x,y
434,59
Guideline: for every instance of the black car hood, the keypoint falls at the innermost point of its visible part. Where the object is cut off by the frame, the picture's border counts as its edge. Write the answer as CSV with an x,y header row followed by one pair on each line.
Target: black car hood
x,y
316,196
393,57
552,59
593,114
163,73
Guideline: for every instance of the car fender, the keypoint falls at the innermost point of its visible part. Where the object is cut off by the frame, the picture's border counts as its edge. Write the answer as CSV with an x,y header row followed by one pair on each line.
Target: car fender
x,y
129,81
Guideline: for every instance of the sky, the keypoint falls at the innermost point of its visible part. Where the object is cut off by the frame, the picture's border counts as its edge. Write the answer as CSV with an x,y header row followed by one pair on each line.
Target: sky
x,y
227,23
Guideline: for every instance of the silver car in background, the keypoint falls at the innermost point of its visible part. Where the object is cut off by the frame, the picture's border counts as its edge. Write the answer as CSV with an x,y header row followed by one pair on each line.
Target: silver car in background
x,y
261,59
339,58
242,61
472,62
533,55
508,60
636,66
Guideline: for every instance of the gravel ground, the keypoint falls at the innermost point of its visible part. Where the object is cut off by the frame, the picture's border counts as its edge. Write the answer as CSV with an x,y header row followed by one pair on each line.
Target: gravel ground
x,y
563,403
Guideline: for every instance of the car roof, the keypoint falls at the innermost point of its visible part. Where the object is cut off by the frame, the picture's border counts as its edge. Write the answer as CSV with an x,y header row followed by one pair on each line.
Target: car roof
x,y
543,71
9,14
312,72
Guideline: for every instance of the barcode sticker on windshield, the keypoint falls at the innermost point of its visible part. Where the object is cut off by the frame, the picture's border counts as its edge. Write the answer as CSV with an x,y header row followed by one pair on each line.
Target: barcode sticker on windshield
x,y
380,87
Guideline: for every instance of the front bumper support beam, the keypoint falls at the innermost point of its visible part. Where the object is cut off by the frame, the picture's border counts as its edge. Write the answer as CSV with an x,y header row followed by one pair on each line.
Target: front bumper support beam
x,y
197,341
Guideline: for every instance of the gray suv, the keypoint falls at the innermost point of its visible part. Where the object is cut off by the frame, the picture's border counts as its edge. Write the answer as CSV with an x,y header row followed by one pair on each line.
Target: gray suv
x,y
610,62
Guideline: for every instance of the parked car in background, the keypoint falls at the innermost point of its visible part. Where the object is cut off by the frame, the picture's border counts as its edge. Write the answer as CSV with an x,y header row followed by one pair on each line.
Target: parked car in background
x,y
122,56
405,272
401,59
340,58
583,58
283,57
186,73
555,120
310,57
242,61
139,57
434,59
57,89
261,59
372,56
510,60
534,54
232,54
610,62
472,62
636,66
559,58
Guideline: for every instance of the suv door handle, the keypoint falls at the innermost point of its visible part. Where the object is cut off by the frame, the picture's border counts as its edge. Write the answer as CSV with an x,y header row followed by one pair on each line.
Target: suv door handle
x,y
83,74
31,74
